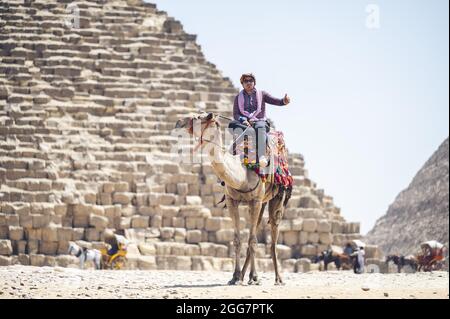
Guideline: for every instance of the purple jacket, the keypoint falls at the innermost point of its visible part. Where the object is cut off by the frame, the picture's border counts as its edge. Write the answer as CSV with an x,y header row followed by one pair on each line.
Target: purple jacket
x,y
251,105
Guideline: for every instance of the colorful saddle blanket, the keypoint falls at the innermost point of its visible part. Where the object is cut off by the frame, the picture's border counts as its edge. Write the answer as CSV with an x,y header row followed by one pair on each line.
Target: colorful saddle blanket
x,y
278,171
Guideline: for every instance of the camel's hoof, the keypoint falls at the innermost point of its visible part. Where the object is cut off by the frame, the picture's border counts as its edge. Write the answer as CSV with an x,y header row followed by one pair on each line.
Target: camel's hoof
x,y
279,283
254,281
235,282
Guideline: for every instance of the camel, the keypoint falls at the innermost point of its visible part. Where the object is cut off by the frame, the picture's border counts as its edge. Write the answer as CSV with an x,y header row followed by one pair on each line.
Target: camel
x,y
241,186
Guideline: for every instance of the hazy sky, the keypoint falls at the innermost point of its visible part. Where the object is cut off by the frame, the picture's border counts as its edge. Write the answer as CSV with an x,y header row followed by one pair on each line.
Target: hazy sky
x,y
369,105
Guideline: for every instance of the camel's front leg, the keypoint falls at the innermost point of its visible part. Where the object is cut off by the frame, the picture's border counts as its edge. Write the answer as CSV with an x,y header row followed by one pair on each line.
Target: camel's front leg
x,y
254,210
233,208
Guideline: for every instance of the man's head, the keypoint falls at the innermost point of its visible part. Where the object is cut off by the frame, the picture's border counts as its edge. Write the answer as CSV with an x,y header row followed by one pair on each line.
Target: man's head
x,y
248,81
108,235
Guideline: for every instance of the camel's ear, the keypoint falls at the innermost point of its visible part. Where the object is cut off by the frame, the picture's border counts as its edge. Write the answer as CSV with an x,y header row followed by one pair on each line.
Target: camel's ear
x,y
210,116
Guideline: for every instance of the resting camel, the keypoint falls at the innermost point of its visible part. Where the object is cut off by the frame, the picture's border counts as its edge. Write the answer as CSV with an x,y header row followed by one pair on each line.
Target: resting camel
x,y
241,186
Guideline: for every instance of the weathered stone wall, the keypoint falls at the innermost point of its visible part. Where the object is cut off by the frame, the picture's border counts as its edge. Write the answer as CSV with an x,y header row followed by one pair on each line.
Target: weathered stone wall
x,y
85,119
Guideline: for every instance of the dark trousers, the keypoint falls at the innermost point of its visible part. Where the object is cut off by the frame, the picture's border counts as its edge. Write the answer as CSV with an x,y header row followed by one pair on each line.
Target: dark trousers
x,y
257,133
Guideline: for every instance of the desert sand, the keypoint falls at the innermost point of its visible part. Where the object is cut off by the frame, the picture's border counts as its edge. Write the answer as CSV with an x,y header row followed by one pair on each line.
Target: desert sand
x,y
48,282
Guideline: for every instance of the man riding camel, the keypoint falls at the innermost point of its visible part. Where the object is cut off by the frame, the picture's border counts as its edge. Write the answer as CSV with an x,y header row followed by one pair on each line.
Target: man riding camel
x,y
249,113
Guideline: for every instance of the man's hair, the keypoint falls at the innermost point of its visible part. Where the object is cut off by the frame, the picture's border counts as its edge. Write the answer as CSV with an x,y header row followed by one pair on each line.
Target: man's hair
x,y
247,75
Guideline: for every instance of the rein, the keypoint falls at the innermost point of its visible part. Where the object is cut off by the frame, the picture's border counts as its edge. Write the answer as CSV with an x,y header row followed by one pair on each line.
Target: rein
x,y
202,140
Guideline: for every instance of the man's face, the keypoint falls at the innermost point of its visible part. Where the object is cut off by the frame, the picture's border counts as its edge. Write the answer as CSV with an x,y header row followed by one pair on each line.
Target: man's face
x,y
249,84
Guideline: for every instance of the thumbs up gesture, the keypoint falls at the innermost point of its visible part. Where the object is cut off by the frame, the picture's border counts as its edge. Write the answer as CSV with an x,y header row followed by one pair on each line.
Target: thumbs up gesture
x,y
286,99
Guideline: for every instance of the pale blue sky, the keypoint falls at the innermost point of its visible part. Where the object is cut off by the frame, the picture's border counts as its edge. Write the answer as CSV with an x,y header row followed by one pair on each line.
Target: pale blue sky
x,y
369,106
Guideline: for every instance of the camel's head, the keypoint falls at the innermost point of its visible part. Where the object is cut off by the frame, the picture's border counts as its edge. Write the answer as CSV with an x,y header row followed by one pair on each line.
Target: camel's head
x,y
203,121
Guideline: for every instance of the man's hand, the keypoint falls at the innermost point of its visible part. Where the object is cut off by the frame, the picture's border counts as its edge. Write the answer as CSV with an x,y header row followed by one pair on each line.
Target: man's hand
x,y
286,99
246,123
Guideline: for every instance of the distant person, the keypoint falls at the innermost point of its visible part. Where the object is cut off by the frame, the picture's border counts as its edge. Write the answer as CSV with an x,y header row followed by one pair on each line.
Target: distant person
x,y
348,250
358,265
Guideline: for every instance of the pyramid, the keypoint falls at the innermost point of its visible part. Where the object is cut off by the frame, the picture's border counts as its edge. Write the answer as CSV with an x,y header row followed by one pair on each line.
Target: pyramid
x,y
420,212
90,92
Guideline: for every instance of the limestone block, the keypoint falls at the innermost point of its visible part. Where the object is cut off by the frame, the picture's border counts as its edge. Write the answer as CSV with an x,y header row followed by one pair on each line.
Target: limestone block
x,y
5,261
5,247
308,250
285,225
20,246
218,223
48,247
194,236
182,189
123,198
309,201
156,221
78,234
99,222
4,231
63,247
33,234
12,220
179,234
326,238
224,235
92,234
323,226
207,249
147,263
336,227
169,211
32,246
24,259
313,238
283,252
15,232
221,251
297,224
289,265
37,260
193,200
105,198
121,187
192,250
178,222
303,265
138,221
163,249
26,221
338,239
124,223
290,238
309,225
167,232
40,221
50,234
303,237
66,260
147,249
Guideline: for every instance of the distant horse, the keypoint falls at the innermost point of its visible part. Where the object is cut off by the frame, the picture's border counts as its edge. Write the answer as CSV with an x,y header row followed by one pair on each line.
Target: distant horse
x,y
429,263
401,261
340,260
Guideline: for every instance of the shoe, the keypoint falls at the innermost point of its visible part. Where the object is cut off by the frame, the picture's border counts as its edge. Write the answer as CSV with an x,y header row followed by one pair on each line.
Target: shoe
x,y
263,162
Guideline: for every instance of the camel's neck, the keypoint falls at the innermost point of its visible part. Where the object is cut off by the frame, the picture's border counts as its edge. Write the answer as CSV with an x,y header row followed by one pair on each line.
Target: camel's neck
x,y
226,166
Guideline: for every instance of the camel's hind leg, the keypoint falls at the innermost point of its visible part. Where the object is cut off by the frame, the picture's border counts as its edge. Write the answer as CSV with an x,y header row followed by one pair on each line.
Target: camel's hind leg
x,y
276,209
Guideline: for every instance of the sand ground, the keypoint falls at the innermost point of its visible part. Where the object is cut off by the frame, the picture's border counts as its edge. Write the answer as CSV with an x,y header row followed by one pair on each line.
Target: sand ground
x,y
47,282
